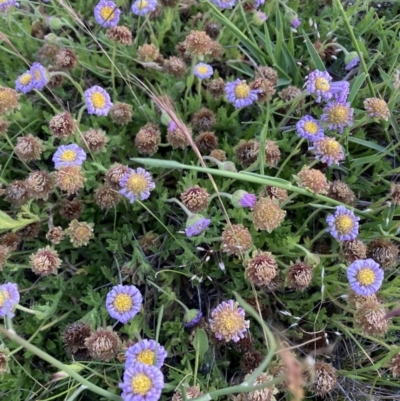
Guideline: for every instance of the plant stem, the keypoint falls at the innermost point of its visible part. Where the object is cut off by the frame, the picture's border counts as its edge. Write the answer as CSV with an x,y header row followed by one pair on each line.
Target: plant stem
x,y
45,99
264,140
30,311
184,208
64,74
294,151
113,72
43,355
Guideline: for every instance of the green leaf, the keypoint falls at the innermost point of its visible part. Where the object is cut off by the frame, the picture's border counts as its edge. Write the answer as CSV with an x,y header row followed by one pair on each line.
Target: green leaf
x,y
7,223
200,343
367,144
319,65
355,87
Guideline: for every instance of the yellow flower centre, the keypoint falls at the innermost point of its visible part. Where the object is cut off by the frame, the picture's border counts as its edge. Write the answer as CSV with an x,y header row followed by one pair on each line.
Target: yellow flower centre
x,y
242,90
311,127
4,295
322,84
107,13
123,303
141,384
98,100
228,323
146,357
68,156
26,78
366,276
338,114
137,184
344,224
37,75
142,4
331,146
82,232
202,69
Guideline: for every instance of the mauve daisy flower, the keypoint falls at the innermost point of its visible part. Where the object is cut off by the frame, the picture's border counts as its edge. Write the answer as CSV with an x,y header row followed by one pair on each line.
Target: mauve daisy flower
x,y
224,4
338,115
68,155
196,224
6,4
240,94
365,277
203,70
9,296
242,198
142,383
146,352
97,101
107,14
259,3
319,84
123,302
343,225
40,76
136,184
228,322
143,7
295,22
25,82
328,150
351,60
309,128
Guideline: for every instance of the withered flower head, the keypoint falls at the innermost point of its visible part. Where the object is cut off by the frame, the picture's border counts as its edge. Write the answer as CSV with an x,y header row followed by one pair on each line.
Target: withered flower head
x,y
267,215
70,179
195,199
265,89
3,126
247,152
40,184
395,193
377,108
175,66
4,254
290,93
106,197
94,140
355,300
383,251
264,394
216,88
395,366
148,139
177,139
353,250
10,241
148,241
276,193
17,192
28,148
56,81
114,174
80,233
30,231
371,317
120,34
3,362
198,43
191,392
341,192
299,276
71,210
45,261
66,59
103,345
216,51
212,29
272,154
204,119
206,142
8,100
148,52
121,113
236,240
218,154
74,336
325,379
251,360
267,73
48,52
313,180
55,235
62,125
261,269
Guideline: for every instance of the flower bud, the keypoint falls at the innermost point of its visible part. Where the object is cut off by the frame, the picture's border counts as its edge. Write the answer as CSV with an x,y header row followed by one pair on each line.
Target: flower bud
x,y
242,199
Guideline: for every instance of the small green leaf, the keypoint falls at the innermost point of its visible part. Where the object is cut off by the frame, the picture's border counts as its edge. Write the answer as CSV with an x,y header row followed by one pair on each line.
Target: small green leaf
x,y
319,65
355,87
200,343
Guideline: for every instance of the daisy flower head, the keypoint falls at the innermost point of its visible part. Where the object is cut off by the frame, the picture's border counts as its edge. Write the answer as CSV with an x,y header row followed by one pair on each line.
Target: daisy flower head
x,y
68,155
228,322
319,83
196,224
6,4
343,225
123,302
365,277
351,60
203,70
146,352
224,4
242,198
107,13
25,82
142,383
9,296
240,94
328,150
40,76
97,101
338,115
295,22
143,7
192,317
309,128
136,184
